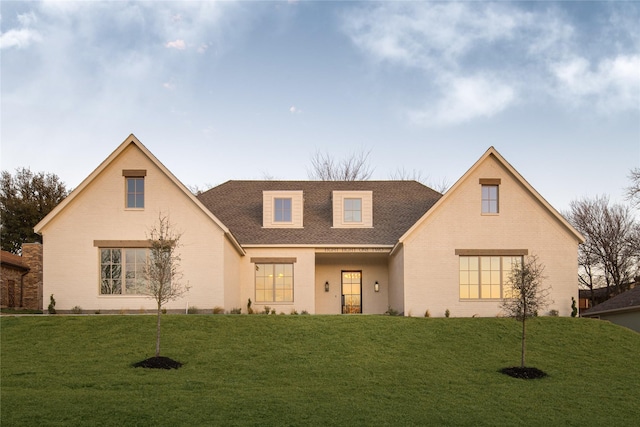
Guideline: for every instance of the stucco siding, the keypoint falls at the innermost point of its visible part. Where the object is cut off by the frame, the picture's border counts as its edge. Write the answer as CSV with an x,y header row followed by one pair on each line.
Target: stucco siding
x,y
432,267
72,261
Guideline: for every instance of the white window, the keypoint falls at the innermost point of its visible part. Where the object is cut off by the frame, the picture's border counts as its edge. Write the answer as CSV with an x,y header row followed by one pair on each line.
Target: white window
x,y
134,188
490,199
352,210
282,209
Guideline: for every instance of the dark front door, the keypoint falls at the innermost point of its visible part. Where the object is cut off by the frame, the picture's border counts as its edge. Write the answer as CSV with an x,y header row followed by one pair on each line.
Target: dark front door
x,y
351,292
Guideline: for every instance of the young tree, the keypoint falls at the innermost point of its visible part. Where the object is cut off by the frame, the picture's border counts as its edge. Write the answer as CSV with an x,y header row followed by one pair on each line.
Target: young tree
x,y
162,270
353,168
26,198
402,174
633,190
529,295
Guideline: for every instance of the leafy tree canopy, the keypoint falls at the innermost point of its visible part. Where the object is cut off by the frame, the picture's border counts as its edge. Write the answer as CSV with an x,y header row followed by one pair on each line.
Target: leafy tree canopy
x,y
26,198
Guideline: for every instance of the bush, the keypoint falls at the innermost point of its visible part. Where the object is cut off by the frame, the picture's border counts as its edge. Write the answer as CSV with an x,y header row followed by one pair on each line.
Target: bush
x,y
554,313
236,311
391,312
427,313
447,313
574,309
218,310
76,310
249,309
303,312
192,310
266,310
52,305
293,311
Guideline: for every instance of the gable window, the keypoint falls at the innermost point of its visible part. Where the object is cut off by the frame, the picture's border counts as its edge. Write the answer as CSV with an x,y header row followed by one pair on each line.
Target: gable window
x,y
486,277
122,271
282,209
352,210
490,192
134,188
274,282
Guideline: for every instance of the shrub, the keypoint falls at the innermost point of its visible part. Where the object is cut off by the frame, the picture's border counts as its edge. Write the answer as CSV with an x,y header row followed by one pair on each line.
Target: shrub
x,y
304,312
164,310
52,305
574,309
218,310
293,311
236,311
447,313
266,310
554,313
96,312
249,309
427,313
391,312
192,310
76,310
273,311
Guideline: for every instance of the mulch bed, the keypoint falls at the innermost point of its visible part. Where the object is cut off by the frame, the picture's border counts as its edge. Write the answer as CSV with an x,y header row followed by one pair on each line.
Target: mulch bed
x,y
525,373
159,362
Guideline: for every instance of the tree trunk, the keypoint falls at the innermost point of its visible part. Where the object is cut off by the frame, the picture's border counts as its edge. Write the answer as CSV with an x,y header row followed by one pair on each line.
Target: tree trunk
x,y
158,330
524,335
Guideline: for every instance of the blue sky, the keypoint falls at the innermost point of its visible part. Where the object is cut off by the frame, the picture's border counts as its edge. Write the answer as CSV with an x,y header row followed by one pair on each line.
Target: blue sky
x,y
248,90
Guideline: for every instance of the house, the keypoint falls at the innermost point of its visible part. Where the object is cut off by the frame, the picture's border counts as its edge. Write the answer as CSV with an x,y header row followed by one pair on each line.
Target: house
x,y
623,309
21,278
319,247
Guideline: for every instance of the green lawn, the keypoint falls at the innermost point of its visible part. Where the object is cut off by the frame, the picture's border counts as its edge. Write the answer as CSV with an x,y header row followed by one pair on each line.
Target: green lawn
x,y
315,370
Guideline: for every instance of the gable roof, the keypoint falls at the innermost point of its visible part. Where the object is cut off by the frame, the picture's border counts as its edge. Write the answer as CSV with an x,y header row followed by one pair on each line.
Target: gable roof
x,y
492,152
397,205
132,140
626,301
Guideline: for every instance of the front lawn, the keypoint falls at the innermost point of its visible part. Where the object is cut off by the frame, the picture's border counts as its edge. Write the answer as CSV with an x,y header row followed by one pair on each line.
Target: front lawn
x,y
315,370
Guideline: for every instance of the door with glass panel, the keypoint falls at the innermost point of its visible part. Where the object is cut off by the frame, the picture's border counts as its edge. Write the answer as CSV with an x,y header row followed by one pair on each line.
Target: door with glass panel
x,y
351,292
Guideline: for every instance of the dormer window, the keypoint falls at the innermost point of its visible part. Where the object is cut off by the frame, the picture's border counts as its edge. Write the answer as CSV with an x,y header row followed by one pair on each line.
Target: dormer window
x,y
134,188
282,209
490,199
352,209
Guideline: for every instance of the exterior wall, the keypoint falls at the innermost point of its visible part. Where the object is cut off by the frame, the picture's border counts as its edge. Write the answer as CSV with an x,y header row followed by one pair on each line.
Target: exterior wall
x,y
72,262
232,267
432,268
396,280
374,268
629,319
303,280
26,282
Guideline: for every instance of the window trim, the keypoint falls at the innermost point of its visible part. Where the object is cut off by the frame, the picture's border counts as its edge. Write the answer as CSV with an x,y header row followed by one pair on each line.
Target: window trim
x,y
366,208
268,208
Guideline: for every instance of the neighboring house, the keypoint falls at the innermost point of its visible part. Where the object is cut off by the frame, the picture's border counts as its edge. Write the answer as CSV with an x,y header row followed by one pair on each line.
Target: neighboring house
x,y
599,295
21,278
623,309
318,246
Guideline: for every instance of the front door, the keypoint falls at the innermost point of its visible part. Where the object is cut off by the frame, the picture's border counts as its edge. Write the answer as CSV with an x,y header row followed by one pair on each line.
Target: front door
x,y
351,292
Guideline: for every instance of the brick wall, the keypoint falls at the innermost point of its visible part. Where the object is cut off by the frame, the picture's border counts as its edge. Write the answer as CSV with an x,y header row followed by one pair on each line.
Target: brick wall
x,y
20,290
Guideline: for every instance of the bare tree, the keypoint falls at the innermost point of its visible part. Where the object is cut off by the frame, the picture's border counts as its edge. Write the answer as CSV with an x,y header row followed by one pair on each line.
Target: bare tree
x,y
325,167
528,295
633,191
401,174
162,270
612,246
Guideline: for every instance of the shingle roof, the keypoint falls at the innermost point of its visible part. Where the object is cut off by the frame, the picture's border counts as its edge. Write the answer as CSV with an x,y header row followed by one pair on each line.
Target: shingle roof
x,y
397,205
12,260
627,300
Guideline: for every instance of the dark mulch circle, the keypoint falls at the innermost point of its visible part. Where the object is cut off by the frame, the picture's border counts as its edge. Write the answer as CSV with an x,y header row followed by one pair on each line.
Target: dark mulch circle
x,y
525,373
159,362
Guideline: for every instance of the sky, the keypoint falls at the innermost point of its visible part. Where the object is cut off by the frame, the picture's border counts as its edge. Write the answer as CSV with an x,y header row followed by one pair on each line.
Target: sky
x,y
251,90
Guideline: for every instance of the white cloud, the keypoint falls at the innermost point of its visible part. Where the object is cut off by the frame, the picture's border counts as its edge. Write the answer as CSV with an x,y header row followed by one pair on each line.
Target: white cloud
x,y
21,37
177,44
466,99
614,82
295,110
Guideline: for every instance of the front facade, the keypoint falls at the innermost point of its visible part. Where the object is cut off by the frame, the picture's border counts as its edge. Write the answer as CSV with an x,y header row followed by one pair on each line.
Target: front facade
x,y
307,246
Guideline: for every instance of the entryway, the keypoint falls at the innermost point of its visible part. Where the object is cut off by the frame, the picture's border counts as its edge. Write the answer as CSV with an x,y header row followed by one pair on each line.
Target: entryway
x,y
351,292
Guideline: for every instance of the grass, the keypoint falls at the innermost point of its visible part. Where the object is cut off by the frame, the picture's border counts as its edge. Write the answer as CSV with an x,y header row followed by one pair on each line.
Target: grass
x,y
315,370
